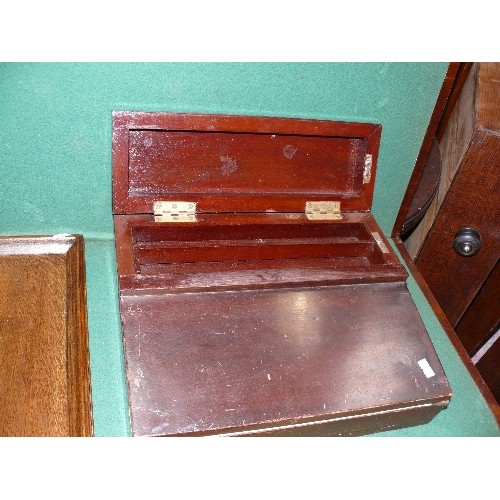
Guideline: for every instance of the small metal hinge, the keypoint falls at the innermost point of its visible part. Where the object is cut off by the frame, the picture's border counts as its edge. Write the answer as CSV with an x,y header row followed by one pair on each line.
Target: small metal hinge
x,y
174,211
367,171
323,210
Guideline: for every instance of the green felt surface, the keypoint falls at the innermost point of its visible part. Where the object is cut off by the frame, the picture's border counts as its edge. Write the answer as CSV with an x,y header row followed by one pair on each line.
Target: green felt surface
x,y
55,165
467,414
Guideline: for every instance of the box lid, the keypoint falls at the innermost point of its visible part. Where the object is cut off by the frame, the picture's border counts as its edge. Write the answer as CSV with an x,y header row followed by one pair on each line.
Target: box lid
x,y
241,163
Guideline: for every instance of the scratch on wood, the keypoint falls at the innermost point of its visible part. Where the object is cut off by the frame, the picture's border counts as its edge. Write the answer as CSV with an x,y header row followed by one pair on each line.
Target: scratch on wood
x,y
160,428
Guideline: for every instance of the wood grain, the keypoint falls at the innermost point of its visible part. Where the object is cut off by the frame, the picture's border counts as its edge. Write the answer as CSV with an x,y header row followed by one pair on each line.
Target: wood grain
x,y
454,279
488,102
468,197
44,358
225,362
240,163
425,148
456,91
256,250
473,199
455,141
254,319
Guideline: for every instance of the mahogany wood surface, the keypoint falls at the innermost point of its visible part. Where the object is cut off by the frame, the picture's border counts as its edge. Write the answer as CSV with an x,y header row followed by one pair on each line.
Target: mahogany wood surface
x,y
225,361
356,423
240,163
461,125
472,201
482,318
452,146
453,279
254,318
252,250
44,357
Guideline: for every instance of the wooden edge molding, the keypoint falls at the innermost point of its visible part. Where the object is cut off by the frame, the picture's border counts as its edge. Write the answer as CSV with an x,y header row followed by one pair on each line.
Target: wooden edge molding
x,y
462,353
44,351
460,79
452,84
439,107
79,381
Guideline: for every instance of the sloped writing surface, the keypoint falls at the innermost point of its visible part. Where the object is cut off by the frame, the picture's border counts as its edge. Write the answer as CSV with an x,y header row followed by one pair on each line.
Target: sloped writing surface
x,y
201,363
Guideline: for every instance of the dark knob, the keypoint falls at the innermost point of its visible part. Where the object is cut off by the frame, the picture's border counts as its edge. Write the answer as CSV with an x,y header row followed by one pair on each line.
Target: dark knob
x,y
467,242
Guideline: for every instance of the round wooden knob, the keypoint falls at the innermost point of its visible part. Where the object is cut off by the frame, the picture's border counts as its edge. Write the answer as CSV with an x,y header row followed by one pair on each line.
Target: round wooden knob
x,y
467,242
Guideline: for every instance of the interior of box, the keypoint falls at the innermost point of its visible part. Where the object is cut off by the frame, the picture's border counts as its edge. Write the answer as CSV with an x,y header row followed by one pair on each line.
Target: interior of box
x,y
244,164
252,246
282,248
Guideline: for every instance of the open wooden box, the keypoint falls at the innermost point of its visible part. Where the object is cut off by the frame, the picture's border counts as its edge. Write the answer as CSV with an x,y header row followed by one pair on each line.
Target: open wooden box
x,y
258,294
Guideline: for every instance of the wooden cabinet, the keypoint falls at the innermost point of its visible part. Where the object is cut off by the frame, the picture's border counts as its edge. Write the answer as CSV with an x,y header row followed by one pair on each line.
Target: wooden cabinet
x,y
466,286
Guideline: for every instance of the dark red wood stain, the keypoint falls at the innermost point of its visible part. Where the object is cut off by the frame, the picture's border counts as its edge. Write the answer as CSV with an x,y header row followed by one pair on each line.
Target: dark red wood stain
x,y
239,163
255,319
255,359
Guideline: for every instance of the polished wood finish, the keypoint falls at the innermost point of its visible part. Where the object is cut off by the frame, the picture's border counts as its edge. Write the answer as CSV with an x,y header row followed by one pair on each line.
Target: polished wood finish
x,y
255,319
456,131
240,163
426,190
473,202
453,146
423,154
245,362
482,318
44,357
252,250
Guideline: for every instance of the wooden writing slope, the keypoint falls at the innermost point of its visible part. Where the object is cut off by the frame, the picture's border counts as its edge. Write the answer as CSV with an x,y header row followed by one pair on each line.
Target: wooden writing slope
x,y
258,294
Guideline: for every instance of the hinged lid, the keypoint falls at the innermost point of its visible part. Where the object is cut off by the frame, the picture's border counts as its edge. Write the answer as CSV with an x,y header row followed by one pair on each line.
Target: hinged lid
x,y
185,211
241,163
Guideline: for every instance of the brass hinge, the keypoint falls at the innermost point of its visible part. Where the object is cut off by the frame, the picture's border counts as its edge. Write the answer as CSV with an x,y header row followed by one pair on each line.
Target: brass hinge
x,y
367,171
174,211
323,210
